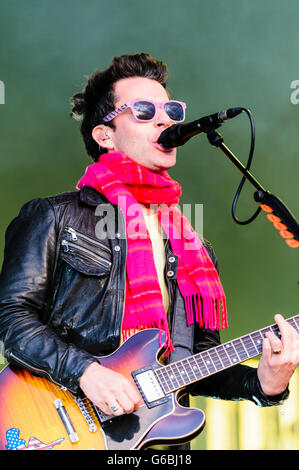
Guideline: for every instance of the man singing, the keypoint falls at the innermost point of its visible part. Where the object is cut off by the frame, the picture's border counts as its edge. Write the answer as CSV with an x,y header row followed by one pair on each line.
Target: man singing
x,y
68,294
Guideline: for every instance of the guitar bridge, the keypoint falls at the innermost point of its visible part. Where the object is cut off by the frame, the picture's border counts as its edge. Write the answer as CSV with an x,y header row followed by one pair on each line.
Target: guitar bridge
x,y
86,414
149,387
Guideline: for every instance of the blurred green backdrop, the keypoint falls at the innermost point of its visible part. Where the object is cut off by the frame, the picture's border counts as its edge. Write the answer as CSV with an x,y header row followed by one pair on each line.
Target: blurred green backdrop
x,y
220,54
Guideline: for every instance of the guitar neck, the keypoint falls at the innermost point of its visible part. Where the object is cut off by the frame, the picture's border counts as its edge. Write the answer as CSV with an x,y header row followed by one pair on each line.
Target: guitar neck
x,y
193,368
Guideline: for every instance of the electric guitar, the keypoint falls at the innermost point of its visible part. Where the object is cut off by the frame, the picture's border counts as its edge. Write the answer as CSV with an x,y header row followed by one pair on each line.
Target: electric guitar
x,y
38,414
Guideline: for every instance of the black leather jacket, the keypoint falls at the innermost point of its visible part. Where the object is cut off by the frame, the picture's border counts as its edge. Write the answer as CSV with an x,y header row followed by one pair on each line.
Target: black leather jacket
x,y
62,294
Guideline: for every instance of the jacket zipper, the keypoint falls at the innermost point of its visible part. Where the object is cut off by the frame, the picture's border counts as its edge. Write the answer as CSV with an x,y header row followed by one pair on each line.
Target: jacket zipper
x,y
123,309
75,235
89,254
34,369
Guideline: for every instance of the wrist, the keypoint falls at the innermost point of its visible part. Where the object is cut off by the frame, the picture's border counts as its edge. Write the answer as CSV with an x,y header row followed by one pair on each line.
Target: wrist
x,y
89,370
273,396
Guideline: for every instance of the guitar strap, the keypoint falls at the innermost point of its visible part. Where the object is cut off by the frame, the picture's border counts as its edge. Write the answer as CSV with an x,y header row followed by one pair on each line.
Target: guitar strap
x,y
182,335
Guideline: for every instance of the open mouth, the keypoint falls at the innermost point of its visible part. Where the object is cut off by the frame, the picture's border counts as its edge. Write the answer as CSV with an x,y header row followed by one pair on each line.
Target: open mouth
x,y
161,148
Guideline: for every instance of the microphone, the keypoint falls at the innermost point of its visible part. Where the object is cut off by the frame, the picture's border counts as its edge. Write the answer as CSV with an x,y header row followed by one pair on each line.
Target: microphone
x,y
179,134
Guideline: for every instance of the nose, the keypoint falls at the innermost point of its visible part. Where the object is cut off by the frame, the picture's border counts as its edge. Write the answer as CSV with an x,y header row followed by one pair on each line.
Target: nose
x,y
161,118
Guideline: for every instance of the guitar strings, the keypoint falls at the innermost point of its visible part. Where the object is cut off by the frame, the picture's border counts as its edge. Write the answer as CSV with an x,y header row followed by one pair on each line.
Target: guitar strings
x,y
85,402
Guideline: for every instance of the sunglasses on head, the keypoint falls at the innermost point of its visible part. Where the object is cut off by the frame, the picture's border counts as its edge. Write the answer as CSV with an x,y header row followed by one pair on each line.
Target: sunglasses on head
x,y
144,110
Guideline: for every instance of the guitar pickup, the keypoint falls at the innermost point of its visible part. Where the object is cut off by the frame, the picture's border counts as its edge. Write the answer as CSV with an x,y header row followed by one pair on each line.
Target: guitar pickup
x,y
149,387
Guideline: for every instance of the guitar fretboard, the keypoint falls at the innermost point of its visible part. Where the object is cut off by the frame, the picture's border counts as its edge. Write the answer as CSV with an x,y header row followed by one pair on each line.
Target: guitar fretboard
x,y
193,368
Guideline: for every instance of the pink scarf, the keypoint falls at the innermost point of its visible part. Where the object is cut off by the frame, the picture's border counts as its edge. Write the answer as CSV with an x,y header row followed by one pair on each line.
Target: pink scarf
x,y
125,183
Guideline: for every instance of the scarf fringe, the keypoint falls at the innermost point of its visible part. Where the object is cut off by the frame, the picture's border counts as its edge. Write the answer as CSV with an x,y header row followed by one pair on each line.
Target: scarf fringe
x,y
162,326
208,313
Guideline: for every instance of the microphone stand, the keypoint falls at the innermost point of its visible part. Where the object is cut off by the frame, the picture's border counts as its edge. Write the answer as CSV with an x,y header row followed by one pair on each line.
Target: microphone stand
x,y
276,210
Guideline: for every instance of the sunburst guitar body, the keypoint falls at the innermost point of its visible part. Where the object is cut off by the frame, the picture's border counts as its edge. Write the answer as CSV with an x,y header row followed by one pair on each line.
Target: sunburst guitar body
x,y
36,414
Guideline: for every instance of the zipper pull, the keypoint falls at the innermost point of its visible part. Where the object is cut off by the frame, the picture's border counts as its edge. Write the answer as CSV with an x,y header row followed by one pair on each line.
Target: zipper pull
x,y
72,232
65,245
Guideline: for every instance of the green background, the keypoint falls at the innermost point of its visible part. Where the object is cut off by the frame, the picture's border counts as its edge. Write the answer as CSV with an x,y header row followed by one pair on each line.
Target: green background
x,y
220,54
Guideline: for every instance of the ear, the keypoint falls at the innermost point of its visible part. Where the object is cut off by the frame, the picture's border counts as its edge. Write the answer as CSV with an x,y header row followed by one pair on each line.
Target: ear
x,y
101,134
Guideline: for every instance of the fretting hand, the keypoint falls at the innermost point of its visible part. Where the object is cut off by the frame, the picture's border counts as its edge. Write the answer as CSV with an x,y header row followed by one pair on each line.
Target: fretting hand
x,y
279,359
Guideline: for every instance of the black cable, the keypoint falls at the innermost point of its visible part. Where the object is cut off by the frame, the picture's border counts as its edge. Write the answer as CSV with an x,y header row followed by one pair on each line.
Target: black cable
x,y
244,222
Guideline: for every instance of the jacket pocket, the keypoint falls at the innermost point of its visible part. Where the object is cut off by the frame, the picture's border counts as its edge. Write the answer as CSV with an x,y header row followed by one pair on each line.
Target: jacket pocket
x,y
84,253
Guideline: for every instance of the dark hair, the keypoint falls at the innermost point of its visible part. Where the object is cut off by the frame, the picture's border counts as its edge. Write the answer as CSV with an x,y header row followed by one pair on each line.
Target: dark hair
x,y
97,98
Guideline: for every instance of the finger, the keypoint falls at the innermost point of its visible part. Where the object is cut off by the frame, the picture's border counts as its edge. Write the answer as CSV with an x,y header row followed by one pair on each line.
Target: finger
x,y
115,408
105,407
274,342
133,394
126,403
136,400
122,401
287,332
266,349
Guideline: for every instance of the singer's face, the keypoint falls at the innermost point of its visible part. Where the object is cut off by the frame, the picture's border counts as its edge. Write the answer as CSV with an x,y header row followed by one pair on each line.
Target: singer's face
x,y
139,139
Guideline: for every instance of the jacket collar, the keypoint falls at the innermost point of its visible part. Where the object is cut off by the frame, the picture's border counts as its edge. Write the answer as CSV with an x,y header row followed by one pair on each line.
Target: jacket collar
x,y
91,196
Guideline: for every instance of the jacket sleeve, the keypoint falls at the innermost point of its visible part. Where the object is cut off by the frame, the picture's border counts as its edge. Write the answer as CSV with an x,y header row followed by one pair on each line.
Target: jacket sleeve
x,y
239,382
25,299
